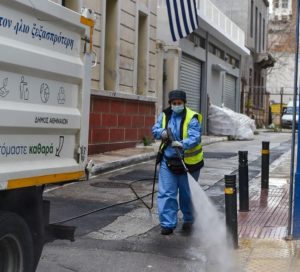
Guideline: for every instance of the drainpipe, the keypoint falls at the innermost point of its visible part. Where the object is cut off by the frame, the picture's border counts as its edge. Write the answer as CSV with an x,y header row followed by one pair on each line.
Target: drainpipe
x,y
204,105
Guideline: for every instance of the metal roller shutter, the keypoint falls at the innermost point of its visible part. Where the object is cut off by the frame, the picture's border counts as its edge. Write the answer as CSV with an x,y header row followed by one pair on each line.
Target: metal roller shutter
x,y
230,92
190,81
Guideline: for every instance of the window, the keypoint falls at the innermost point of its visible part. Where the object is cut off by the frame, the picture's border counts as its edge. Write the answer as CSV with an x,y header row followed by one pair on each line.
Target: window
x,y
260,32
262,92
276,3
110,56
211,48
219,53
259,38
264,34
285,3
256,23
251,19
259,91
232,61
250,95
216,51
142,53
236,63
255,90
197,40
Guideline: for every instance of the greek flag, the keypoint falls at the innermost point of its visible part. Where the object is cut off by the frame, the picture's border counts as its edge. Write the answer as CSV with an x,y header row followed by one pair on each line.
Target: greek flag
x,y
182,17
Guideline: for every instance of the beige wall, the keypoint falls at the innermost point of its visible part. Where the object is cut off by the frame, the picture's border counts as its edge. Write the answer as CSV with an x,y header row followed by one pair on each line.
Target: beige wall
x,y
97,7
124,77
126,46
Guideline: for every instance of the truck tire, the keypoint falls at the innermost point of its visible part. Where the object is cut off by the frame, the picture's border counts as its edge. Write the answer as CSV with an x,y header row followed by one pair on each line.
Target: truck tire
x,y
16,246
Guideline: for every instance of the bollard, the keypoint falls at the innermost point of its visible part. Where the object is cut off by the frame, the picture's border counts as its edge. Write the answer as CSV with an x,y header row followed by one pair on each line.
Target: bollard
x,y
243,181
231,208
265,159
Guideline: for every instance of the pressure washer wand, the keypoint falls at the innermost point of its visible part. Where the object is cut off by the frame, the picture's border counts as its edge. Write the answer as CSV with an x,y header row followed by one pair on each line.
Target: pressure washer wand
x,y
171,137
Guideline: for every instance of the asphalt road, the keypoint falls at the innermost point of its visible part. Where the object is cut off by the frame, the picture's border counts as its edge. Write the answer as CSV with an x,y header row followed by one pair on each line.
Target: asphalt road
x,y
126,237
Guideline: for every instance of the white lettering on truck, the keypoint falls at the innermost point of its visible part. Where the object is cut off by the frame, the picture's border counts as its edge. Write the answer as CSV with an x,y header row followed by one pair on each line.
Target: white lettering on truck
x,y
37,32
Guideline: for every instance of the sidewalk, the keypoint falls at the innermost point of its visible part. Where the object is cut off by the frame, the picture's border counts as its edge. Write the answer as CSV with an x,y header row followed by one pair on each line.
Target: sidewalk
x,y
119,158
262,230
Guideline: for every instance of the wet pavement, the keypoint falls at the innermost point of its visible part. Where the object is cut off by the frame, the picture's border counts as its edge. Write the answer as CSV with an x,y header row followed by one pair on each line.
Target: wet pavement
x,y
268,217
265,255
269,208
126,237
263,230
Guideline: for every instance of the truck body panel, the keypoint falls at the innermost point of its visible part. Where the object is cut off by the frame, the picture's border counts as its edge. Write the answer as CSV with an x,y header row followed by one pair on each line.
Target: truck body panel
x,y
44,94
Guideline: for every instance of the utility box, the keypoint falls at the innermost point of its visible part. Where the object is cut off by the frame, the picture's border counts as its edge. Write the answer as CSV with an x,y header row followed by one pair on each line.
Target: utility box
x,y
44,109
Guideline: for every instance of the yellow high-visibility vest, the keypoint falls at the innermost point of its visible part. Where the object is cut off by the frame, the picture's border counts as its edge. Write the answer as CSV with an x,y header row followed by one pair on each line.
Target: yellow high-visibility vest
x,y
194,155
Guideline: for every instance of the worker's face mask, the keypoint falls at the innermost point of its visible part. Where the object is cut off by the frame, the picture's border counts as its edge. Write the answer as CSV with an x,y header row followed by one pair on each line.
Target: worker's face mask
x,y
177,108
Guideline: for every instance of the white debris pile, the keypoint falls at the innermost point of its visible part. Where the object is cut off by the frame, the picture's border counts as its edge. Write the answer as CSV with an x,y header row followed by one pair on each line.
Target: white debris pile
x,y
224,121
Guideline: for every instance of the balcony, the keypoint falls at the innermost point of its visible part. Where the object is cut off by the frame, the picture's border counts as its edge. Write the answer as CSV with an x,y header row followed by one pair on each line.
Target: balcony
x,y
264,60
220,26
212,20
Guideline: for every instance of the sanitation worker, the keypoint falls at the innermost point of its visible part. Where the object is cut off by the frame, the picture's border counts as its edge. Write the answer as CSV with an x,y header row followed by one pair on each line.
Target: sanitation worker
x,y
179,128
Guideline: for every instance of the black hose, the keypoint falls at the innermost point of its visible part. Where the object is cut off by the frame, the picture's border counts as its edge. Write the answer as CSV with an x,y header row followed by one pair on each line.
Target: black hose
x,y
122,203
153,190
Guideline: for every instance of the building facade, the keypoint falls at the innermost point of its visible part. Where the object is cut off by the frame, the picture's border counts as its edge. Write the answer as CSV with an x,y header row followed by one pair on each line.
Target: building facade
x,y
206,64
281,36
124,72
281,10
252,17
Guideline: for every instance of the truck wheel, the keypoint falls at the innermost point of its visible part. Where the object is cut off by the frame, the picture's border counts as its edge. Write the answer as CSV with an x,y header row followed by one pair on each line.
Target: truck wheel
x,y
16,246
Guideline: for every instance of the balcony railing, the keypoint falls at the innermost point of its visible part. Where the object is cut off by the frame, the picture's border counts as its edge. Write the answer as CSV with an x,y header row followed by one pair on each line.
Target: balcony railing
x,y
212,16
209,12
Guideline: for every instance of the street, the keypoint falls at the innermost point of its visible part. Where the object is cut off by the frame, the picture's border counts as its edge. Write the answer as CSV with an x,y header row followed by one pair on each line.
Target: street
x,y
93,94
127,237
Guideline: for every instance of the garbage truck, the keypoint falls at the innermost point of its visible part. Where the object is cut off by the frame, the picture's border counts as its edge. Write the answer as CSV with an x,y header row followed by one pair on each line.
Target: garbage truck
x,y
45,77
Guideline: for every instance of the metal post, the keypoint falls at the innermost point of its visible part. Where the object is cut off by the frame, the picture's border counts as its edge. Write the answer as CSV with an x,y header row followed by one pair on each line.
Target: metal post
x,y
265,159
243,181
281,101
294,212
231,208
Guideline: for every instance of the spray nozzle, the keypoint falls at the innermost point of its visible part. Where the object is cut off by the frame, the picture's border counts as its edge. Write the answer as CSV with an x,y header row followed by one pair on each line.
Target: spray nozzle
x,y
171,137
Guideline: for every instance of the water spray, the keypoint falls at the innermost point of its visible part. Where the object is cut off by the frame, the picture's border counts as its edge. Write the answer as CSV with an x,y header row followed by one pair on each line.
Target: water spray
x,y
209,225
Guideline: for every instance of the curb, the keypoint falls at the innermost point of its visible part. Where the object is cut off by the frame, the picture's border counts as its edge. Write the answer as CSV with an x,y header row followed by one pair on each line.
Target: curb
x,y
215,140
108,166
105,167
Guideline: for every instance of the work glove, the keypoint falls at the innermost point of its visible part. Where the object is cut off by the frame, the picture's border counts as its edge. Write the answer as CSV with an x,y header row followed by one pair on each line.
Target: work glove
x,y
177,144
164,135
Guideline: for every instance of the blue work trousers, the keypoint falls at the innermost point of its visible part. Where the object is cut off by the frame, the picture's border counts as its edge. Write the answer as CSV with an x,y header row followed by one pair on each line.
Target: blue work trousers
x,y
168,186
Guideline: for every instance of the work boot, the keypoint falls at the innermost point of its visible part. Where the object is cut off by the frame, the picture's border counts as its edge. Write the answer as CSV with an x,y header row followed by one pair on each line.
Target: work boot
x,y
187,227
166,231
